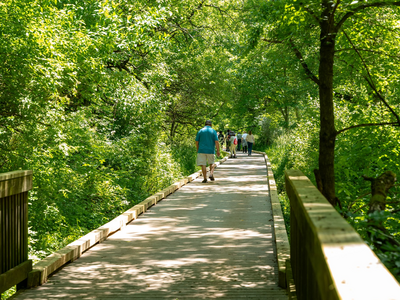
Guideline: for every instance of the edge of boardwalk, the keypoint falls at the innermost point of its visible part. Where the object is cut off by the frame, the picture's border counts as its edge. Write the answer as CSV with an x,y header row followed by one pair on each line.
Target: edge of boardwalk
x,y
280,235
47,266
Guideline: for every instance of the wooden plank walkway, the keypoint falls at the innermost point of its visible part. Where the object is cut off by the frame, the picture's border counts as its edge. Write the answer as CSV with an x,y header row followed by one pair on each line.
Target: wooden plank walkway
x,y
205,241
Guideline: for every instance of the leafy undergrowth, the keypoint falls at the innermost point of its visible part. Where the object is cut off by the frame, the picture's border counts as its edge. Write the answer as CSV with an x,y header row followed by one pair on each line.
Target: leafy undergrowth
x,y
298,150
72,196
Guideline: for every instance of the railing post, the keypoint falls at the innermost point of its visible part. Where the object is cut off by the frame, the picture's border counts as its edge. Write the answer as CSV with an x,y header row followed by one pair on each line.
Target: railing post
x,y
14,263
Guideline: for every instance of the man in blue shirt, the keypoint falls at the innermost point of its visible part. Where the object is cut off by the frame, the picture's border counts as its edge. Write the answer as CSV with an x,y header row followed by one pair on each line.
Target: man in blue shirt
x,y
206,141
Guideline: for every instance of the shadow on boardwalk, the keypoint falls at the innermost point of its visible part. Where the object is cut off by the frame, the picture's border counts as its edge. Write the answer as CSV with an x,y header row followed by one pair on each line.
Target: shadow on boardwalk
x,y
205,241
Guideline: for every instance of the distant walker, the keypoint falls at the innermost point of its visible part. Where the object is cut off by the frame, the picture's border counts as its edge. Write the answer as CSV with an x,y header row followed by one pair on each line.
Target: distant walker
x,y
206,141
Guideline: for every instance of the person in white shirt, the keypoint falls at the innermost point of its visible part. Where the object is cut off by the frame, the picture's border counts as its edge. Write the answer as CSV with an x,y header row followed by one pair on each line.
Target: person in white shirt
x,y
250,141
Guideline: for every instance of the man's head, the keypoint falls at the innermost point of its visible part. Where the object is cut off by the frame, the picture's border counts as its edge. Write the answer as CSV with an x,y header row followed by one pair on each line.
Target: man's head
x,y
208,123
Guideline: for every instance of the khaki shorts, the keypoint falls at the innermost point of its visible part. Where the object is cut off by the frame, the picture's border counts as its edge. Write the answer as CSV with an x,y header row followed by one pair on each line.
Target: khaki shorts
x,y
202,159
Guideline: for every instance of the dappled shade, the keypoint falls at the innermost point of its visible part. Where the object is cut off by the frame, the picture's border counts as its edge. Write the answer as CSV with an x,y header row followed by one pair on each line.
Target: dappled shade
x,y
205,241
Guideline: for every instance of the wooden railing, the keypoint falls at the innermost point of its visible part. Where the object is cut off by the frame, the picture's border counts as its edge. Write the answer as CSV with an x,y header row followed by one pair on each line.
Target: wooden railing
x,y
285,276
329,259
14,263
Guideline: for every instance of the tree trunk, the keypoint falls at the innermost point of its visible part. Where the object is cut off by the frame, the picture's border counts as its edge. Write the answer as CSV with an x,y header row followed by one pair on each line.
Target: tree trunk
x,y
379,189
297,112
377,232
285,114
172,130
327,134
287,117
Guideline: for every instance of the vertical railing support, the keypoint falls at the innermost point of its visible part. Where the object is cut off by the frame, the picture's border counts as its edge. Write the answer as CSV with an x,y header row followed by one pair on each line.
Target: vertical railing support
x,y
14,263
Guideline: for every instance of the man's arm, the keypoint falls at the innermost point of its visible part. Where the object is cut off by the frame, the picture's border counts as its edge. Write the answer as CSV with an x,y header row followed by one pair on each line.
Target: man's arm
x,y
197,146
217,145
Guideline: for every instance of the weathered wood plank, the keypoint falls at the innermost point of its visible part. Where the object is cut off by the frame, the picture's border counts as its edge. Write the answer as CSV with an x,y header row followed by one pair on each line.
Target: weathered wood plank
x,y
158,296
291,287
16,182
329,259
206,241
15,275
43,269
15,174
281,238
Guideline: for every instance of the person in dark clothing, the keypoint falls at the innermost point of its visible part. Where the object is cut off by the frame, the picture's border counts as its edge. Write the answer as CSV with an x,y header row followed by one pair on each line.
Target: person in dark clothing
x,y
227,140
221,138
239,139
244,142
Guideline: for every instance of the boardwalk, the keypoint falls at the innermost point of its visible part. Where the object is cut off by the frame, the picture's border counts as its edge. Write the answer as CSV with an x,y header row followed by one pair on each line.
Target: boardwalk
x,y
205,241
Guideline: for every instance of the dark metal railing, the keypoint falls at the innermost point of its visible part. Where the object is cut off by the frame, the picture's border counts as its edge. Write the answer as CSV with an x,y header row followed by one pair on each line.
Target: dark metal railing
x,y
14,263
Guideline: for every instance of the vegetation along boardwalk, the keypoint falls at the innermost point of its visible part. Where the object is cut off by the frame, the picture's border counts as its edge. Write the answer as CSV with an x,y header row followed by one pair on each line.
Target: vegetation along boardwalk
x,y
205,241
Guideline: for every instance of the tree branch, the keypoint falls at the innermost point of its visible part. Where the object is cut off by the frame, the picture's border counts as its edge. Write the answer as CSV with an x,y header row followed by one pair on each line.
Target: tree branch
x,y
368,125
369,50
298,54
272,41
334,10
311,13
303,63
219,109
362,7
359,197
370,81
360,208
196,9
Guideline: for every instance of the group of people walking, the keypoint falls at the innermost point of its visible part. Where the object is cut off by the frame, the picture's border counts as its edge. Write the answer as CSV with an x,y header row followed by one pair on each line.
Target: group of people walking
x,y
241,142
207,141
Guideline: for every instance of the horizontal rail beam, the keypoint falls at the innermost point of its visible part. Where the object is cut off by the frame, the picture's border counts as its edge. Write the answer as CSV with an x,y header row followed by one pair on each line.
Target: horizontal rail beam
x,y
15,275
329,258
16,182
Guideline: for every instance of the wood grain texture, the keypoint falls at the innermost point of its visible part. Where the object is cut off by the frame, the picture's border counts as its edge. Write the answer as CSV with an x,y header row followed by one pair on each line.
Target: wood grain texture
x,y
14,263
281,237
329,259
15,275
16,182
44,268
205,241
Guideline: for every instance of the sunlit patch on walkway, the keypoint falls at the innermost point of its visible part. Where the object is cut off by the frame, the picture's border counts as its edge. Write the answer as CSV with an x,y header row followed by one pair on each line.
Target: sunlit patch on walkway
x,y
205,241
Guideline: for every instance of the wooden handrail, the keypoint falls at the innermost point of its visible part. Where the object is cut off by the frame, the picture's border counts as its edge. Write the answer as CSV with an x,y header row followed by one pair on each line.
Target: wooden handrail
x,y
14,263
329,258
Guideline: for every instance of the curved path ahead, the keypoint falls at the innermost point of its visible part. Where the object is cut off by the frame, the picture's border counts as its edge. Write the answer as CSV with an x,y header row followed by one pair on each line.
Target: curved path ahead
x,y
205,241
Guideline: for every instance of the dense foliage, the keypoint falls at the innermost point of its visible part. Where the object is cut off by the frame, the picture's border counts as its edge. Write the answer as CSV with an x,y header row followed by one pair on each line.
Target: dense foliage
x,y
102,99
343,121
297,149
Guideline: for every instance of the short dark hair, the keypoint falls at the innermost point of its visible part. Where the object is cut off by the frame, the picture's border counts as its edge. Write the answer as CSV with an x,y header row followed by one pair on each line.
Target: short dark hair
x,y
208,122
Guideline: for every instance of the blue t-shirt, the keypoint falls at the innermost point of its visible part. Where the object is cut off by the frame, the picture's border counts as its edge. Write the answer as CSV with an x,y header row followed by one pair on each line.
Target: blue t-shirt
x,y
206,138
